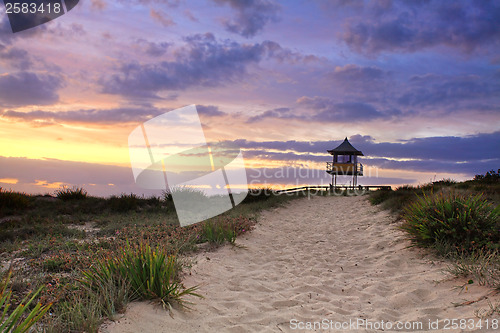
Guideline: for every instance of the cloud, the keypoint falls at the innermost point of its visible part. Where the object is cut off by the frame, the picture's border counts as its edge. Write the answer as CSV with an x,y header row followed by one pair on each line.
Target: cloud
x,y
202,62
251,16
451,93
98,4
92,116
325,109
27,88
469,155
411,26
189,14
210,111
473,148
15,57
161,17
281,113
168,3
152,48
352,72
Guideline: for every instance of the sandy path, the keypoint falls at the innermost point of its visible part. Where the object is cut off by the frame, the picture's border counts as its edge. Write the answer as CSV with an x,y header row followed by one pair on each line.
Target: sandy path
x,y
335,259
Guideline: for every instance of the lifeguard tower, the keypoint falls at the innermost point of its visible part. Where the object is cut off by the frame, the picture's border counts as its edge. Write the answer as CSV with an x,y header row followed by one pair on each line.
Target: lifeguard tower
x,y
345,163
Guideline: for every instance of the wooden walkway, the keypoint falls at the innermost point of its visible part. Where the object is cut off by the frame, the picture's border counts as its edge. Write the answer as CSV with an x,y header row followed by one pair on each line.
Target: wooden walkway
x,y
328,187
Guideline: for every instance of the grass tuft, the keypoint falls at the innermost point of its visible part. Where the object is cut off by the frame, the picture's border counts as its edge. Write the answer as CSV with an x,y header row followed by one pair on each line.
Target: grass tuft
x,y
150,272
12,201
124,202
217,232
481,267
75,193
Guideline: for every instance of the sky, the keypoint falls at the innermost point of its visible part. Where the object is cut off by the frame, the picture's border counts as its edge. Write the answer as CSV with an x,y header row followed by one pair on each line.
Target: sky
x,y
413,84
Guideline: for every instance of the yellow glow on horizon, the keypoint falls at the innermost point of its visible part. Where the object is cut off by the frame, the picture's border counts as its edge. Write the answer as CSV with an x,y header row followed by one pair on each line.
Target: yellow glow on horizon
x,y
73,143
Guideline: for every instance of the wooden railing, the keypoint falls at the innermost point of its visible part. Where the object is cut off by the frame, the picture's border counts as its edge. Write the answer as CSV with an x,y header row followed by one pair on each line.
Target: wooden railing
x,y
344,168
330,187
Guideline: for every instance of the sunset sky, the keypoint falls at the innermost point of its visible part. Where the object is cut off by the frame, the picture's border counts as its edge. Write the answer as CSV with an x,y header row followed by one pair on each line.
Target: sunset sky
x,y
415,85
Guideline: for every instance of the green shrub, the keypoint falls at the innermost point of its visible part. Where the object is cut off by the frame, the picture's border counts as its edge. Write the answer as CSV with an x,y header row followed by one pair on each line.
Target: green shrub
x,y
394,200
153,201
217,232
490,177
10,200
445,182
53,264
150,273
75,193
17,321
379,196
465,222
124,202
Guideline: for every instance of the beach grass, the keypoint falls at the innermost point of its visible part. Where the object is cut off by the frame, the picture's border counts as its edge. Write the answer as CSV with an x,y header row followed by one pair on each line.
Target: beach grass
x,y
20,318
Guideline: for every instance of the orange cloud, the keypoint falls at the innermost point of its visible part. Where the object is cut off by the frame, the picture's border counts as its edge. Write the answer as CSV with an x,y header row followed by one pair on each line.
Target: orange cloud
x,y
50,185
9,180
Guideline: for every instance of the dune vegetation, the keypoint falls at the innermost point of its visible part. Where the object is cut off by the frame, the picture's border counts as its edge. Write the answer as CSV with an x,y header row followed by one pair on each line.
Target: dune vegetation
x,y
70,260
459,221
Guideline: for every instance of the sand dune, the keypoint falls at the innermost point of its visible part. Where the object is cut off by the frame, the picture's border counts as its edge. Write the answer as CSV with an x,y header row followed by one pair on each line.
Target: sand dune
x,y
334,261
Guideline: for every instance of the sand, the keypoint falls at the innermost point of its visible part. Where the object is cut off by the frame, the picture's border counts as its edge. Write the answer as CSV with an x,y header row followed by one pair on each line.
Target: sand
x,y
333,262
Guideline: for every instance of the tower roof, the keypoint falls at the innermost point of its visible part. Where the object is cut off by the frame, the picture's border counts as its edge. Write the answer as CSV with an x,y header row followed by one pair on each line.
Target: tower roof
x,y
345,148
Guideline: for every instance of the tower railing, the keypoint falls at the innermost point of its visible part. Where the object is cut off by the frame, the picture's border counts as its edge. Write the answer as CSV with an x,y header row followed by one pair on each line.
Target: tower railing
x,y
344,168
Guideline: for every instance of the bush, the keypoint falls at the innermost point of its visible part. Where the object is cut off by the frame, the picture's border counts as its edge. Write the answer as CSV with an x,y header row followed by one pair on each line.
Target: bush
x,y
153,201
380,196
75,193
150,273
258,194
444,182
394,200
124,202
490,177
13,200
465,222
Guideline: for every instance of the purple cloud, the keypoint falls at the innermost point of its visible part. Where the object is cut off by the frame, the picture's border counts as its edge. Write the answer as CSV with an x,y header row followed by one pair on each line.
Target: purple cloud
x,y
92,116
210,111
153,49
201,62
27,88
15,57
251,16
413,26
326,109
469,155
357,73
450,92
